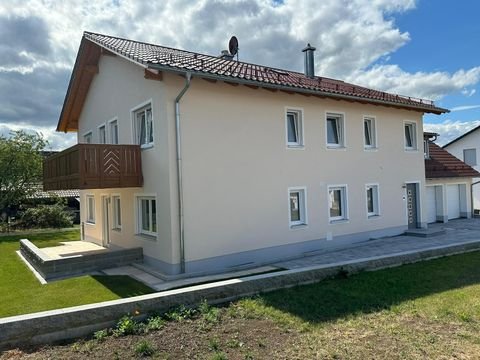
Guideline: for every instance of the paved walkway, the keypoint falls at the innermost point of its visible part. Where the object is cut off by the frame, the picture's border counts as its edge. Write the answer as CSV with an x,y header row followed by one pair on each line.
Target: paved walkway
x,y
457,231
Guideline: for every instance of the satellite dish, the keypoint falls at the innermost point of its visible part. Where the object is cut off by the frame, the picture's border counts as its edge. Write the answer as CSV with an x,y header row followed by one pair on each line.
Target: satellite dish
x,y
233,45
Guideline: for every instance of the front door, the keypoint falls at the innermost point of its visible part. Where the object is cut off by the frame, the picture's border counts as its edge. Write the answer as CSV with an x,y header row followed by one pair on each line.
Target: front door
x,y
105,221
412,209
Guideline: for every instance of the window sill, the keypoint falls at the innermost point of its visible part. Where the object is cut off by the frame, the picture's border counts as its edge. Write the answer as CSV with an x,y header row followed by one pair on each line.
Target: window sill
x,y
117,230
373,148
376,216
147,237
296,147
336,147
412,150
89,223
339,221
146,146
298,226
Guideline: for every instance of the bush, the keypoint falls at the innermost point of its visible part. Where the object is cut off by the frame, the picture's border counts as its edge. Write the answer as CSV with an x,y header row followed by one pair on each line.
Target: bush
x,y
144,348
47,216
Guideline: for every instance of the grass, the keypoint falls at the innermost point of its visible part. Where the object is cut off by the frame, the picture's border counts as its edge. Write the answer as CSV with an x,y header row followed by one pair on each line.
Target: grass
x,y
21,292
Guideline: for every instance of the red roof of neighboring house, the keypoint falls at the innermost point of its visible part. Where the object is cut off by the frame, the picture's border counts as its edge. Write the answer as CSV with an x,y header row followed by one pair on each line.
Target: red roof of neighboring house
x,y
161,58
442,164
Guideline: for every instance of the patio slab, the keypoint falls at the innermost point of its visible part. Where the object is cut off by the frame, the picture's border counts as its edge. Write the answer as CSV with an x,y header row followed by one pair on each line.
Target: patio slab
x,y
73,248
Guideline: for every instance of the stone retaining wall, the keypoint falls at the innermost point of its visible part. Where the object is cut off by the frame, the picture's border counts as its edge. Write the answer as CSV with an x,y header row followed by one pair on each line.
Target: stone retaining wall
x,y
54,268
78,321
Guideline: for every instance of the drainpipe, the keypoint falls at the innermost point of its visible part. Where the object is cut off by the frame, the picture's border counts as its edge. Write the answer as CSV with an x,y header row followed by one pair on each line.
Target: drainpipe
x,y
188,77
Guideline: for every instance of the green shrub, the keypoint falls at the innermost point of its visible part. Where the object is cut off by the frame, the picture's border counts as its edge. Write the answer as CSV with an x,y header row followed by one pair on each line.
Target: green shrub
x,y
180,313
154,323
100,335
126,326
144,348
47,216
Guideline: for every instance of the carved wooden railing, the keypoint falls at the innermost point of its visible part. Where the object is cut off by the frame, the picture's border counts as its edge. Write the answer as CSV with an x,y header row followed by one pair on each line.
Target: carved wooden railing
x,y
93,166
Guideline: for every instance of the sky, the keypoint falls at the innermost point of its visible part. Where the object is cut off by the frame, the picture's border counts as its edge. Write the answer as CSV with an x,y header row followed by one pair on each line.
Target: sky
x,y
425,48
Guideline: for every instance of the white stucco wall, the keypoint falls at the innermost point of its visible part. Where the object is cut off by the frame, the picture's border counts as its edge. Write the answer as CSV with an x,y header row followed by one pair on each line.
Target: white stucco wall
x,y
470,141
237,167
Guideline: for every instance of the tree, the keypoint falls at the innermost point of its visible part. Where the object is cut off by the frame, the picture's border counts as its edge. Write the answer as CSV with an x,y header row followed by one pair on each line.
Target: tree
x,y
20,166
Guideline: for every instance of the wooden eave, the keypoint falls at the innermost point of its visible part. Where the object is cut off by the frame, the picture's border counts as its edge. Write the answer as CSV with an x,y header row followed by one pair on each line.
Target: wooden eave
x,y
84,70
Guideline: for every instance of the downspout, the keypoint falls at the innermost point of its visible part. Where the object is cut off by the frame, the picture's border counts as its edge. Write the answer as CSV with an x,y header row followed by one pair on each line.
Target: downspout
x,y
188,77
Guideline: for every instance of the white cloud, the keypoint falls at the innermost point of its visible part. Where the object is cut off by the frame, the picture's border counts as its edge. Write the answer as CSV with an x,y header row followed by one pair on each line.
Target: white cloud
x,y
450,130
464,107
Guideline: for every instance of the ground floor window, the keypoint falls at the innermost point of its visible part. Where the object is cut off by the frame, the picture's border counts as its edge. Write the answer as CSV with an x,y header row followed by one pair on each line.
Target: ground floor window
x,y
372,200
298,214
337,203
117,212
147,216
90,209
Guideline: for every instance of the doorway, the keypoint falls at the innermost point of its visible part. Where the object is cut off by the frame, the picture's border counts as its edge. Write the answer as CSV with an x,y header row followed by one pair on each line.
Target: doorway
x,y
412,206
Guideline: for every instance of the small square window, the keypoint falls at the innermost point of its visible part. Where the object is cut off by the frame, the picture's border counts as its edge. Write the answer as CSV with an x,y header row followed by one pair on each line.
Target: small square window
x,y
113,132
117,212
102,135
470,157
369,132
372,200
147,216
297,207
337,203
144,125
294,128
87,138
90,209
410,136
335,130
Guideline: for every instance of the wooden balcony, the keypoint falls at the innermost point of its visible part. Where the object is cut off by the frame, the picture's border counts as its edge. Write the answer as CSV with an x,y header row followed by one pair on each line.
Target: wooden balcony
x,y
93,166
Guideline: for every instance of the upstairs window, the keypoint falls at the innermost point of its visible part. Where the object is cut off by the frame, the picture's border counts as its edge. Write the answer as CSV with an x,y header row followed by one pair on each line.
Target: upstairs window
x,y
369,133
294,128
144,125
114,132
426,151
102,135
335,130
470,157
410,136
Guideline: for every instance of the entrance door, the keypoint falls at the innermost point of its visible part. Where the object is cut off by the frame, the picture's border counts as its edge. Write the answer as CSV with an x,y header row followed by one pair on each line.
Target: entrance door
x,y
412,210
105,221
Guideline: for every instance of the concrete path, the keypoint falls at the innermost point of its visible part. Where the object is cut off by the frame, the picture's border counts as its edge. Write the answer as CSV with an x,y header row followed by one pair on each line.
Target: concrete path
x,y
457,231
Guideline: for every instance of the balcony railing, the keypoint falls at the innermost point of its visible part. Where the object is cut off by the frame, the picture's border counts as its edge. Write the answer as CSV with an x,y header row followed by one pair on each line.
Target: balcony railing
x,y
93,166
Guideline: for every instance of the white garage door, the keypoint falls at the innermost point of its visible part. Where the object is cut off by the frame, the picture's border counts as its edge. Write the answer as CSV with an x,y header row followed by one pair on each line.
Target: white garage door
x,y
453,201
431,205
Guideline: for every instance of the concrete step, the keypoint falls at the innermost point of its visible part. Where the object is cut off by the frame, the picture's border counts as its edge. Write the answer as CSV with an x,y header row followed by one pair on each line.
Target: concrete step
x,y
425,232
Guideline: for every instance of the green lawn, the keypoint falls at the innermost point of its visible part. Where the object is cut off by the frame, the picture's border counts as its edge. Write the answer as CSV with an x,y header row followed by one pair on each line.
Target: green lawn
x,y
22,293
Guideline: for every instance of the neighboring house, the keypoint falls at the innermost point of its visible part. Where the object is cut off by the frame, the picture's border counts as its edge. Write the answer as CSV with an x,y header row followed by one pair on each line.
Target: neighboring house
x,y
466,147
448,191
224,164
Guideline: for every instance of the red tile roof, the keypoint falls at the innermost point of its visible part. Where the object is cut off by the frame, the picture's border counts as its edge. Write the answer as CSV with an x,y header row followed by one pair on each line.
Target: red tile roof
x,y
169,59
442,164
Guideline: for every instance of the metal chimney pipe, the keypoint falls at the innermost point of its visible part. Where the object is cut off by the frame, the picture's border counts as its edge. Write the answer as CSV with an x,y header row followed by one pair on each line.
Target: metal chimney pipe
x,y
309,61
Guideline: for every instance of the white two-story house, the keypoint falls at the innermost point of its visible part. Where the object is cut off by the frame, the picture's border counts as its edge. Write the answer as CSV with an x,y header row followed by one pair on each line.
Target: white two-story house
x,y
222,164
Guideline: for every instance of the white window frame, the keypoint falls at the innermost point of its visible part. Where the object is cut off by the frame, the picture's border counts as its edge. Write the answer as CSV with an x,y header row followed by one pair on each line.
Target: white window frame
x,y
100,127
340,126
344,203
136,137
426,149
110,131
138,208
298,114
302,206
116,212
414,139
86,135
89,216
465,159
376,199
373,132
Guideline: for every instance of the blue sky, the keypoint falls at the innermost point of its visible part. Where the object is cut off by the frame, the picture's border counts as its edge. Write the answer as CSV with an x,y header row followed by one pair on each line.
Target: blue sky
x,y
420,48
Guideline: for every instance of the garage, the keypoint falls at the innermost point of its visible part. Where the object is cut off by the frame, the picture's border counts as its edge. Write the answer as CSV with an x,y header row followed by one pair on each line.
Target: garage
x,y
453,201
431,205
